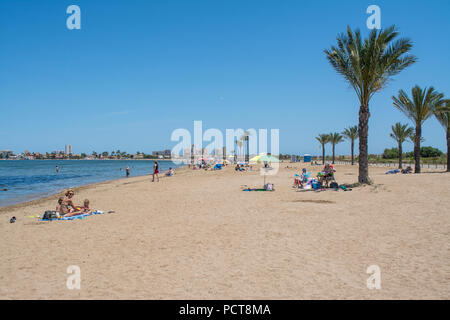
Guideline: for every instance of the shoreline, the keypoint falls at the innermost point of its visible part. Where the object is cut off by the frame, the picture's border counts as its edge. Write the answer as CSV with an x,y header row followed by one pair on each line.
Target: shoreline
x,y
76,189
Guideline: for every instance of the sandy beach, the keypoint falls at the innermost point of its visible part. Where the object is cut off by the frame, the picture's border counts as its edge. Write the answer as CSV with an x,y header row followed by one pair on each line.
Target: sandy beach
x,y
198,236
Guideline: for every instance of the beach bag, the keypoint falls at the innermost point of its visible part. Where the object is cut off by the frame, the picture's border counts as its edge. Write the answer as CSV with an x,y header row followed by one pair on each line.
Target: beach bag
x,y
334,185
316,185
269,187
50,215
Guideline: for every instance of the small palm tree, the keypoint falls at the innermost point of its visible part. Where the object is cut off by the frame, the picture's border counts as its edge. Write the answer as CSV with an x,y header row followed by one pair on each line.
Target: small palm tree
x,y
443,116
334,139
351,134
368,65
323,140
400,132
239,144
245,139
418,108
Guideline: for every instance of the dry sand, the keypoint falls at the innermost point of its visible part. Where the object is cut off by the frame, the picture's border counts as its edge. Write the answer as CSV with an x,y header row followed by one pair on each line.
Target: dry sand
x,y
198,236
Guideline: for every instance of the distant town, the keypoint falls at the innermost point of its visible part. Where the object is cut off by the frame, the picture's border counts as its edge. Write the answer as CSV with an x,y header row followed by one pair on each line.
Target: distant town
x,y
67,154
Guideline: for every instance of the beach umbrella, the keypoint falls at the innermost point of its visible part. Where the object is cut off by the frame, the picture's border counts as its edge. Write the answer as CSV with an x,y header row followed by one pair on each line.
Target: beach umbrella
x,y
264,158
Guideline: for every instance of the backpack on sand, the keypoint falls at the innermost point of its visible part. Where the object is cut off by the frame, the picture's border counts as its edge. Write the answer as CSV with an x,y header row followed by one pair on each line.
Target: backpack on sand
x,y
50,215
334,185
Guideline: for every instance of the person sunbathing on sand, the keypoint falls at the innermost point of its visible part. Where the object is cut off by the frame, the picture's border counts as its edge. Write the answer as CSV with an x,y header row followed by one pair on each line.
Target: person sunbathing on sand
x,y
82,210
61,207
407,170
69,203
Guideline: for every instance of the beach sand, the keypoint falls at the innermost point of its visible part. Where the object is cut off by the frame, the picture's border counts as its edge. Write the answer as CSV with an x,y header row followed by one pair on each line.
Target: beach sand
x,y
198,236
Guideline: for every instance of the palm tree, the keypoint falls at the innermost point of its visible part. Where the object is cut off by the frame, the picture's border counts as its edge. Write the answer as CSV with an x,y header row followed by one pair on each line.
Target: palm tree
x,y
418,109
443,116
239,144
351,134
245,144
323,140
400,132
334,139
368,65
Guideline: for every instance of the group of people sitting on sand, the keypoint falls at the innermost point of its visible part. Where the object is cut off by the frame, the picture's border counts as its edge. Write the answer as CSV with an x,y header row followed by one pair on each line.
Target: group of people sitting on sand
x,y
243,167
67,208
323,177
208,165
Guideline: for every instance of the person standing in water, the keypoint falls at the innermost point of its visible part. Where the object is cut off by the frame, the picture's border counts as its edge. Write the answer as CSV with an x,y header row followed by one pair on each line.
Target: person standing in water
x,y
57,169
127,170
155,171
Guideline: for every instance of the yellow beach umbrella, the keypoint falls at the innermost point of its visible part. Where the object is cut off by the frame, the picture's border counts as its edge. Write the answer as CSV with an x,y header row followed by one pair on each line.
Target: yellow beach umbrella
x,y
264,157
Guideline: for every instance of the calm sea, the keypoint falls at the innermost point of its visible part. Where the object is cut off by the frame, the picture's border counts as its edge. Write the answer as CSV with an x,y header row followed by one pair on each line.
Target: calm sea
x,y
32,179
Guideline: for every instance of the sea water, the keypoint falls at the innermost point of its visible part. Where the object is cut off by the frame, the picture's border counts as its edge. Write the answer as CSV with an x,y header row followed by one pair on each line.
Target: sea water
x,y
26,180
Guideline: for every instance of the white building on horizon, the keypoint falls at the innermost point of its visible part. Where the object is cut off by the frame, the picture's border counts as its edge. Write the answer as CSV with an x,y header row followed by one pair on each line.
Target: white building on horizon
x,y
68,149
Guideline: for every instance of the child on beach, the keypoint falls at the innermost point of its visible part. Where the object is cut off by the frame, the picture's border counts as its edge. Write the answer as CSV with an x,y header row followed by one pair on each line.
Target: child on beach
x,y
86,208
299,181
170,173
61,207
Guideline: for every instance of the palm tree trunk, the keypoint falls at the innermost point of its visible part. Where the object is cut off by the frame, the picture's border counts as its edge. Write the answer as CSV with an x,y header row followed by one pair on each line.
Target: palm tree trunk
x,y
448,150
400,153
247,156
353,152
417,148
363,127
323,154
333,153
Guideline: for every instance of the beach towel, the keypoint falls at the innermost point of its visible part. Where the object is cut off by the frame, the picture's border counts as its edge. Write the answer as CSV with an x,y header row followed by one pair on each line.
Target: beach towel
x,y
78,217
393,171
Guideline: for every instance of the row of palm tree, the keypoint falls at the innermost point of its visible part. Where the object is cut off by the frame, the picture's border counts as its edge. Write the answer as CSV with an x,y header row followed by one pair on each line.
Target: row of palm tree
x,y
423,104
368,65
335,138
401,132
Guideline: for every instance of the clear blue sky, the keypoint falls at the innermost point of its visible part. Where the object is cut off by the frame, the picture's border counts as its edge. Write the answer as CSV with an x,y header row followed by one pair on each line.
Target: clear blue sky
x,y
137,70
